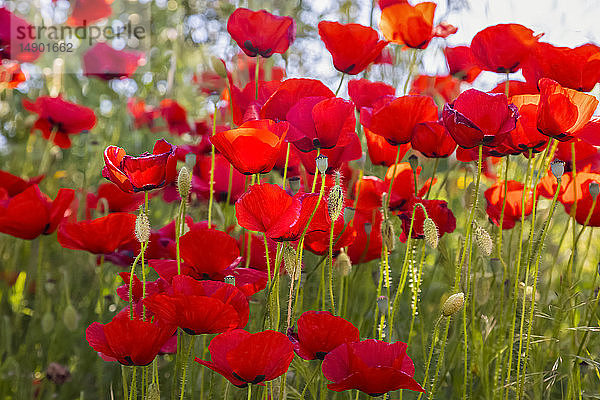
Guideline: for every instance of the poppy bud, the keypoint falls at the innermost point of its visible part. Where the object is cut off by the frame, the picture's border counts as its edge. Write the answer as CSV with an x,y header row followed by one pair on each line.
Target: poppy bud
x,y
348,213
335,202
413,161
153,392
290,260
322,163
387,234
431,233
142,228
558,168
184,181
294,184
47,322
229,279
594,189
382,304
343,263
217,65
453,304
483,240
71,318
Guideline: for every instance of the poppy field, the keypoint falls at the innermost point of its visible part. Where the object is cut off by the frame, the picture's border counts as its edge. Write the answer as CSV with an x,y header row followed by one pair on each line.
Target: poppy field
x,y
190,208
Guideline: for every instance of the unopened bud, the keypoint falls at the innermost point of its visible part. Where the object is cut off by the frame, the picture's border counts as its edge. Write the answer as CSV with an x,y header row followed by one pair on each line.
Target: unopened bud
x,y
229,279
430,231
71,318
142,228
387,234
483,240
322,163
413,161
47,322
453,304
218,66
382,304
558,168
335,202
184,181
594,189
153,392
290,261
343,264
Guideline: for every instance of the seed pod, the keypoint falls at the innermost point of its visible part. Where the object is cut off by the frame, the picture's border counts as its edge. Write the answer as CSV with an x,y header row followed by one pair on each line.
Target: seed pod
x,y
184,181
368,227
229,279
558,168
413,161
335,202
387,234
594,189
430,231
453,304
71,318
47,322
382,304
294,184
343,264
290,261
348,213
142,228
483,240
322,163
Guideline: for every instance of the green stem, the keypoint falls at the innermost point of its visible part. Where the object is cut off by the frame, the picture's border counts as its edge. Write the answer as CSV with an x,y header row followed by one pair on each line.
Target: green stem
x,y
340,84
211,184
185,365
285,167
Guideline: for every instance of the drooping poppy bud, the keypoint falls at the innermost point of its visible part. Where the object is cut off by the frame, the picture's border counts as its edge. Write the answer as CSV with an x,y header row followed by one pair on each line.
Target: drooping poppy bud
x,y
453,304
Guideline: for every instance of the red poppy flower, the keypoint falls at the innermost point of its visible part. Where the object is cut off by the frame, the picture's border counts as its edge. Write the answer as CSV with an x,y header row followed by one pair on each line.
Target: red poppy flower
x,y
479,118
437,210
86,12
31,213
201,179
260,33
129,341
433,140
575,68
145,172
320,123
512,211
197,250
381,152
11,185
367,244
245,103
441,88
504,47
269,209
386,3
99,236
461,63
385,57
412,26
175,116
352,46
244,358
526,136
395,118
516,88
11,75
364,92
61,118
591,132
106,63
371,366
585,153
581,194
347,149
319,332
115,200
13,40
137,291
288,94
403,190
201,307
562,111
241,146
246,67
143,114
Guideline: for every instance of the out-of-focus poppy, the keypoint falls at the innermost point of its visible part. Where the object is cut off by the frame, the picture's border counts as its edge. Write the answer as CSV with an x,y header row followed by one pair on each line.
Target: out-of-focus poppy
x,y
437,210
372,366
461,63
246,66
11,75
241,146
11,185
142,173
260,33
433,140
364,92
395,118
129,341
512,211
381,152
412,26
516,88
584,153
221,179
575,68
106,63
317,237
201,307
478,118
86,12
578,190
58,118
591,132
319,332
562,111
320,123
441,88
367,244
102,235
14,44
288,94
403,189
31,213
115,200
352,46
197,250
209,82
175,116
143,114
504,47
385,57
526,136
249,358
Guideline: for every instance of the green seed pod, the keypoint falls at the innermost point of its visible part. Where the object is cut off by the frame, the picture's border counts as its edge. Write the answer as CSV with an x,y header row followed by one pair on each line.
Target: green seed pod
x,y
71,318
184,182
431,233
413,161
453,304
322,163
47,322
558,168
218,66
483,240
142,228
290,262
343,264
594,189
